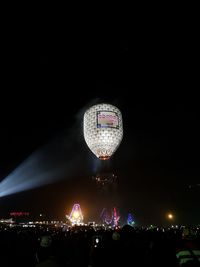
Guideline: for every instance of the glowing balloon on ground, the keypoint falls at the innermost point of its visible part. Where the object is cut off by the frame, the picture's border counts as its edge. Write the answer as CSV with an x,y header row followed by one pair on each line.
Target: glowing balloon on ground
x,y
103,129
130,220
76,216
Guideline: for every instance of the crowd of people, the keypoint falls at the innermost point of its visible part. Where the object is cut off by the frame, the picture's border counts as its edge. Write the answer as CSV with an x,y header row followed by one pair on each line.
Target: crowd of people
x,y
84,246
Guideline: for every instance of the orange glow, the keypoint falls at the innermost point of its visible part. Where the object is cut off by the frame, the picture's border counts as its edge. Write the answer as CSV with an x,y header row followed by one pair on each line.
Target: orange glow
x,y
170,216
104,157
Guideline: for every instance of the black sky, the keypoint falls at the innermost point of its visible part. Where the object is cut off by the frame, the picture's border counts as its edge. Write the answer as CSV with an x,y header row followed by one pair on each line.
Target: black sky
x,y
52,72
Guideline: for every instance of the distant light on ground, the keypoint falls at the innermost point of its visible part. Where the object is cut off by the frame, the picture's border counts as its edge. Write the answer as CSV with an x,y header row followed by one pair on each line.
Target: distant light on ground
x,y
170,216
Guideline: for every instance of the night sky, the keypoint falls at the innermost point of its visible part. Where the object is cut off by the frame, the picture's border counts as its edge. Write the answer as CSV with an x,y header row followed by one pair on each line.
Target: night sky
x,y
52,73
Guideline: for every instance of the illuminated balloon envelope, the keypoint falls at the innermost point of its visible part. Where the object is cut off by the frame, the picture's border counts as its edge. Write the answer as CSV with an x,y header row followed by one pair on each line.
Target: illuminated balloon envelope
x,y
76,216
130,220
103,129
106,217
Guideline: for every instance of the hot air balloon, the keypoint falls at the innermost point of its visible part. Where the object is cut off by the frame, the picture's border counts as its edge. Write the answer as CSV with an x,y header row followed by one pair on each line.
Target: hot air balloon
x,y
76,216
103,129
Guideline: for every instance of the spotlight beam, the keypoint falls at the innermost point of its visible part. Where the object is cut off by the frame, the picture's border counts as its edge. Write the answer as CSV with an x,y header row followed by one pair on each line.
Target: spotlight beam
x,y
54,162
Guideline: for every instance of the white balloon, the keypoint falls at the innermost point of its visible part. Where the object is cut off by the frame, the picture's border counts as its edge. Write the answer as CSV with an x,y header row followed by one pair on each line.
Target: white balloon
x,y
103,129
